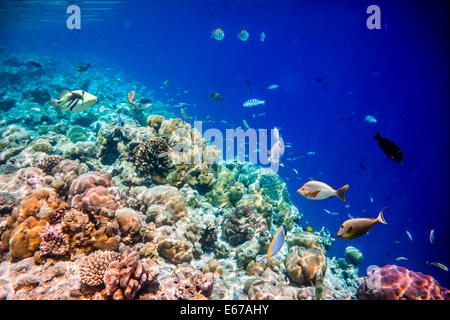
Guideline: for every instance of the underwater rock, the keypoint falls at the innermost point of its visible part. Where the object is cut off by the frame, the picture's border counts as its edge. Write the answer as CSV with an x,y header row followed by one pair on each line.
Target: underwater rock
x,y
161,204
175,250
306,266
76,134
129,224
391,282
254,268
354,255
213,266
306,240
245,224
154,121
41,145
184,283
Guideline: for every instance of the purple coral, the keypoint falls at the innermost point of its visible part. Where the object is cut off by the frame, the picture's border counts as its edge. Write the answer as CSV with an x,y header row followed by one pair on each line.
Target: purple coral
x,y
53,241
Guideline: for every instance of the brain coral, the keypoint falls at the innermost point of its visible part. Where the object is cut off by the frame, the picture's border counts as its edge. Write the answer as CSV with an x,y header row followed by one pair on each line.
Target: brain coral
x,y
93,267
392,282
306,266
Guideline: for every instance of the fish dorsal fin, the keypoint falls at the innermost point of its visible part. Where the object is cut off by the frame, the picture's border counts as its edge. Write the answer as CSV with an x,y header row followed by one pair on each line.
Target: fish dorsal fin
x,y
63,93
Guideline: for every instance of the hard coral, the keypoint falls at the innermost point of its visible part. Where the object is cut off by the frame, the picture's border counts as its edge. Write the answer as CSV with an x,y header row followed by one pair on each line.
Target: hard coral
x,y
93,267
392,282
48,163
306,266
151,157
53,241
244,224
125,278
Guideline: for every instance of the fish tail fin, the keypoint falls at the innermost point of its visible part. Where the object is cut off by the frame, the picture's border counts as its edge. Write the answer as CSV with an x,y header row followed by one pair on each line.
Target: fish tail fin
x,y
340,192
377,136
54,102
380,217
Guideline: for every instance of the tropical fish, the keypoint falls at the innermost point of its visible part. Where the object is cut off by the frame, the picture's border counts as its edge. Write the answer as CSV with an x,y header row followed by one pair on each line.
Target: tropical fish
x,y
245,123
355,228
318,79
216,97
396,242
262,36
120,120
261,114
218,34
432,236
253,103
8,168
277,242
371,119
272,86
243,35
393,151
130,98
371,199
295,170
439,265
165,84
82,67
350,216
311,153
401,258
332,213
35,64
309,229
316,190
409,235
75,101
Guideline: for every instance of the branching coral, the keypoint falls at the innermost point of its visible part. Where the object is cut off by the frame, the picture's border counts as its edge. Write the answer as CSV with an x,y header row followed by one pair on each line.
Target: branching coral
x,y
48,163
152,157
93,267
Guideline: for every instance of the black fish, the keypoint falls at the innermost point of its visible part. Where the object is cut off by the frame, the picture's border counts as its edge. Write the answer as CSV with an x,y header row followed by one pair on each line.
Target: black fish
x,y
361,165
82,67
35,64
318,79
216,97
392,150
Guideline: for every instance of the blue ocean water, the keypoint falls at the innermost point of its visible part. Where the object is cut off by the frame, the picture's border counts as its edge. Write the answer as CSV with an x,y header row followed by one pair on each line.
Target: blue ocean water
x,y
398,74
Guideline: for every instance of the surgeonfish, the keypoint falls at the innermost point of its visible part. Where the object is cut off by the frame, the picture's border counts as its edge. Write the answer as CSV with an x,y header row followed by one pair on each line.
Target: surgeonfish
x,y
371,119
75,101
409,235
218,34
82,67
316,190
393,151
216,97
243,35
253,103
277,242
262,36
432,236
358,227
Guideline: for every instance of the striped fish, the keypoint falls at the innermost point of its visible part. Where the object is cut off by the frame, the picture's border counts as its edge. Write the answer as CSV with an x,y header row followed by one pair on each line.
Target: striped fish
x,y
75,101
253,102
130,97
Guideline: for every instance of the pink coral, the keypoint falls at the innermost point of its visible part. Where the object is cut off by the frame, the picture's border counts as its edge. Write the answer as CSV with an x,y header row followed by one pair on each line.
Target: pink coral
x,y
392,282
89,180
53,241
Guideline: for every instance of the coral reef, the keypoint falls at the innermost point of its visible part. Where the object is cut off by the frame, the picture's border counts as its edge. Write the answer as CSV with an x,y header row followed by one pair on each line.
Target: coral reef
x,y
392,282
306,266
92,268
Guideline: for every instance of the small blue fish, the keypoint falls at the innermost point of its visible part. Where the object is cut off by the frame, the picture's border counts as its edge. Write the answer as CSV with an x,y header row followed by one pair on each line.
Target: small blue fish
x,y
262,36
120,120
272,86
371,119
218,34
409,235
243,35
